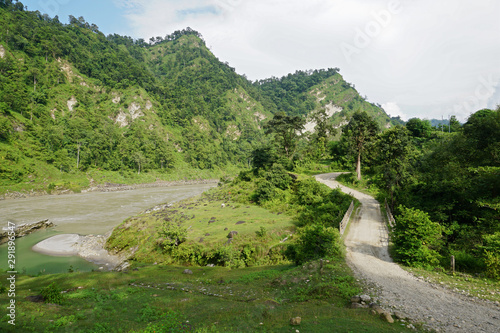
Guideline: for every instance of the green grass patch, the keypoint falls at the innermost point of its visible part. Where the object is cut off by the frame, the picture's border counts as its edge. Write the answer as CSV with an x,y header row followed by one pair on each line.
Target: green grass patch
x,y
463,283
212,299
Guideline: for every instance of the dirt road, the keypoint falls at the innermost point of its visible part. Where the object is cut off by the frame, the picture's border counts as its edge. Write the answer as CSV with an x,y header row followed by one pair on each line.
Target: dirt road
x,y
432,305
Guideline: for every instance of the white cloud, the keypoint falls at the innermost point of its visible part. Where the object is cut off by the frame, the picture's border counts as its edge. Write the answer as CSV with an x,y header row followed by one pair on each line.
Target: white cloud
x,y
393,110
427,56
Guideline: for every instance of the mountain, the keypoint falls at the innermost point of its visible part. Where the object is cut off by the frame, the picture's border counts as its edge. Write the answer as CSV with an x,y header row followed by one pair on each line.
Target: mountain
x,y
73,100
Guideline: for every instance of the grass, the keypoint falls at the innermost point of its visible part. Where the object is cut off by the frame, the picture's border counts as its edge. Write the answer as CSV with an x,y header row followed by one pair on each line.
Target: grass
x,y
364,185
462,283
212,299
208,224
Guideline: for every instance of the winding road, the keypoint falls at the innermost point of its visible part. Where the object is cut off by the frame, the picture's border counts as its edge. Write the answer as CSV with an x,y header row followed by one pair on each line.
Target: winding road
x,y
431,305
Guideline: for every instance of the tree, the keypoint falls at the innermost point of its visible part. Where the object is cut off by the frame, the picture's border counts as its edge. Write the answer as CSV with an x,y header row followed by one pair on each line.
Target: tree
x,y
393,154
419,128
416,238
360,131
286,130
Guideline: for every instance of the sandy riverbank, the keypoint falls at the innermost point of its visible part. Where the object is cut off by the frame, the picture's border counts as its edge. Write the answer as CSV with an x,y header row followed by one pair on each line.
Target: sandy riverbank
x,y
89,247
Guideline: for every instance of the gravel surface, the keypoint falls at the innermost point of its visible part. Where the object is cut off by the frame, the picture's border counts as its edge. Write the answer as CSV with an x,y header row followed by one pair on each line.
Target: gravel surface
x,y
432,305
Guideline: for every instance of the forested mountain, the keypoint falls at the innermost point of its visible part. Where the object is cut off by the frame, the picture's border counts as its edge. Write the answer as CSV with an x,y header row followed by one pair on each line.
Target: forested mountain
x,y
73,99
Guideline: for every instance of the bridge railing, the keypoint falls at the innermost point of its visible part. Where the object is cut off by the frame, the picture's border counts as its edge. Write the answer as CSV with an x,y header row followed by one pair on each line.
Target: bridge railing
x,y
346,218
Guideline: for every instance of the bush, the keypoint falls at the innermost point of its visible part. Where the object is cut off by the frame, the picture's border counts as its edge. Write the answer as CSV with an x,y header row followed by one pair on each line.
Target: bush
x,y
314,242
52,294
492,255
310,192
417,239
173,234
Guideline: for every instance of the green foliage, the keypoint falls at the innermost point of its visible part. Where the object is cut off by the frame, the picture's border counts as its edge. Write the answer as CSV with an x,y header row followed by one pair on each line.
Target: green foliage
x,y
52,294
491,250
419,128
262,232
359,133
314,242
173,234
285,129
417,240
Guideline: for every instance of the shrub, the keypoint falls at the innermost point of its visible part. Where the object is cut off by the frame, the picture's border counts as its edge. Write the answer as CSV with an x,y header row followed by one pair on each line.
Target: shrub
x,y
52,294
314,242
417,239
310,192
492,255
173,233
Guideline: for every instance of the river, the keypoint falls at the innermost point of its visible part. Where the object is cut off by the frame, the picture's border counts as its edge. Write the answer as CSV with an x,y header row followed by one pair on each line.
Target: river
x,y
85,213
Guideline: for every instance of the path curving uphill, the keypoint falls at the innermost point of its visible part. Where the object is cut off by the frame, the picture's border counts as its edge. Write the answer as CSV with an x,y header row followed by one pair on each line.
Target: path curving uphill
x,y
436,307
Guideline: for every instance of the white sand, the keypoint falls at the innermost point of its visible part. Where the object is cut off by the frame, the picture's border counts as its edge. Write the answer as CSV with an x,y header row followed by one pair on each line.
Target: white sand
x,y
59,245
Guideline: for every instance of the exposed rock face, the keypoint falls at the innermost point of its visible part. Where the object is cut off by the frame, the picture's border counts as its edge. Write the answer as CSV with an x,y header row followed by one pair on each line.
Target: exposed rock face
x,y
25,229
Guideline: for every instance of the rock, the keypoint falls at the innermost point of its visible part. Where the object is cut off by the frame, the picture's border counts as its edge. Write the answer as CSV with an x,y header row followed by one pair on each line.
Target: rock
x,y
187,271
240,222
226,229
376,309
356,305
210,265
207,234
387,317
222,205
355,299
365,298
295,321
399,315
232,234
25,229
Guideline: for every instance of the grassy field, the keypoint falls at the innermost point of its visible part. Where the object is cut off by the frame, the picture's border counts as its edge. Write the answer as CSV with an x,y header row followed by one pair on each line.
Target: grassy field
x,y
159,298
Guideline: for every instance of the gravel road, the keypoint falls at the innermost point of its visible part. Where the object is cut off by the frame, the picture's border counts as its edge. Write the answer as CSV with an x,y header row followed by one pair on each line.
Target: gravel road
x,y
432,305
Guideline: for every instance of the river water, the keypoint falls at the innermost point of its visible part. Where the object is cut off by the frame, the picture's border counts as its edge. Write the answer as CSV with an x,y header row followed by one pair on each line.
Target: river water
x,y
85,213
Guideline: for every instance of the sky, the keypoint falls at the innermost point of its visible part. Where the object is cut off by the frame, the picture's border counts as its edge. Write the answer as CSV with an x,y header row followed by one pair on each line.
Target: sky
x,y
417,58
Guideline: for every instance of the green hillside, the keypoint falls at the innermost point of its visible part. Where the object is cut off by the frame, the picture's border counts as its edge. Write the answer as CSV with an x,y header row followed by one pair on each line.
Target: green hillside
x,y
76,104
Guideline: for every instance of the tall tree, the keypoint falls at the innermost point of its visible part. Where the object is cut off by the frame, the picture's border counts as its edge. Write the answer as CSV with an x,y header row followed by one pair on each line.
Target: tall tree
x,y
394,155
286,130
360,131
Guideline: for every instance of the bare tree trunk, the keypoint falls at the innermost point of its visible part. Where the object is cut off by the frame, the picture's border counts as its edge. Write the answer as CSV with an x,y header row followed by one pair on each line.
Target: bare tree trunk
x,y
78,156
358,166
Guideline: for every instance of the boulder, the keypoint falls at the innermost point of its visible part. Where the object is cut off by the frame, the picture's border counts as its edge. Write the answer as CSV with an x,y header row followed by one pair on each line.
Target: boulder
x,y
187,271
295,321
232,234
25,229
399,315
355,299
365,298
387,317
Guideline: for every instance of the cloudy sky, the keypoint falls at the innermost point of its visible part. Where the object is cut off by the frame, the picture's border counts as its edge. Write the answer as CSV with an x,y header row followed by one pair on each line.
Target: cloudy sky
x,y
418,58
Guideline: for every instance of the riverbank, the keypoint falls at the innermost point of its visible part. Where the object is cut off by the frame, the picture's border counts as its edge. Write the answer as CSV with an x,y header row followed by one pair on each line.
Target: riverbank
x,y
105,187
88,247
